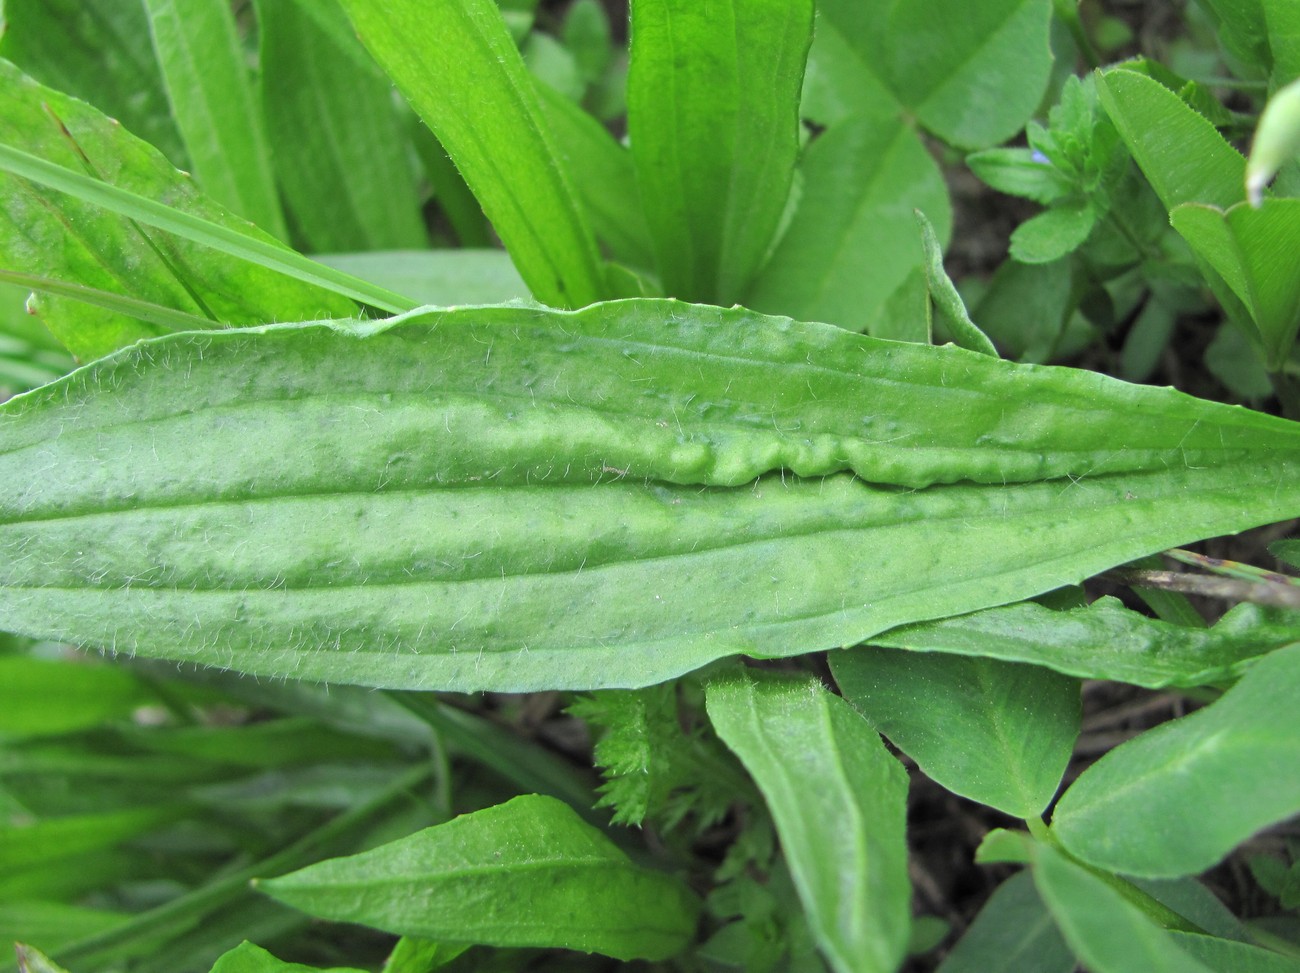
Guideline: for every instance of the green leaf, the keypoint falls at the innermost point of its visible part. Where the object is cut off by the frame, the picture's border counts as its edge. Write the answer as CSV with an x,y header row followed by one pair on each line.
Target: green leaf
x,y
1026,308
100,53
413,955
248,958
207,80
1253,251
445,277
995,732
38,696
852,240
339,145
817,761
1105,640
447,500
529,872
713,96
970,73
458,67
1178,798
1226,954
1018,172
116,254
1182,155
31,960
1054,233
1276,142
607,189
944,302
1106,932
1013,933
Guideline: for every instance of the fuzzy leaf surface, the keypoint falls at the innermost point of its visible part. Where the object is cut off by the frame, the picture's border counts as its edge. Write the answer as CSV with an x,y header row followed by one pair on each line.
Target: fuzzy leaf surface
x,y
529,872
1105,640
517,498
817,761
1176,799
51,234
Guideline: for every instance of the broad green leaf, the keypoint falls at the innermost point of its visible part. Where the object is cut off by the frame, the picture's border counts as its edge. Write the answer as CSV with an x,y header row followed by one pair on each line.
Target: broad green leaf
x,y
52,234
459,68
249,958
1176,799
447,500
970,73
853,240
99,52
1107,641
1253,250
208,85
713,98
1053,234
1026,308
996,732
818,762
38,696
1182,155
944,303
1282,20
1107,933
444,277
607,189
1226,954
339,144
529,872
1013,933
1242,31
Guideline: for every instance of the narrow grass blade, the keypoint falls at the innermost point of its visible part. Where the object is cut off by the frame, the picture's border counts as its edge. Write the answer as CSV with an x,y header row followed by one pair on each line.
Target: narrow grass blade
x,y
208,84
166,318
460,70
233,242
713,95
816,762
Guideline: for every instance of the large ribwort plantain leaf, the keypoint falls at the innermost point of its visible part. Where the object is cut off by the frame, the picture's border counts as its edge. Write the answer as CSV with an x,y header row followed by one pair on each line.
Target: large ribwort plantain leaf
x,y
518,498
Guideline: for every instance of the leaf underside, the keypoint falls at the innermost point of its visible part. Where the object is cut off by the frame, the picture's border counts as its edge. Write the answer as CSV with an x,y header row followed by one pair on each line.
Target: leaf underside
x,y
515,498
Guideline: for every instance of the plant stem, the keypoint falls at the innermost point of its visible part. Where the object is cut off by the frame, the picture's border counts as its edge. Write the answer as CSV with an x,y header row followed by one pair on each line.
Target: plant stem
x,y
1268,593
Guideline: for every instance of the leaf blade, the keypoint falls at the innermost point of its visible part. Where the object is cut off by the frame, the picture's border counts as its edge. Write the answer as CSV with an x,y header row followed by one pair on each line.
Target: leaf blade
x,y
816,760
529,872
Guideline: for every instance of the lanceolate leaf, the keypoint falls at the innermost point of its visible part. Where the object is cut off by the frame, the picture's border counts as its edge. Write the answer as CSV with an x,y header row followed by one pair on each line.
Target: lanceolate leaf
x,y
517,498
713,99
1107,641
1178,798
458,67
529,872
52,234
839,800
